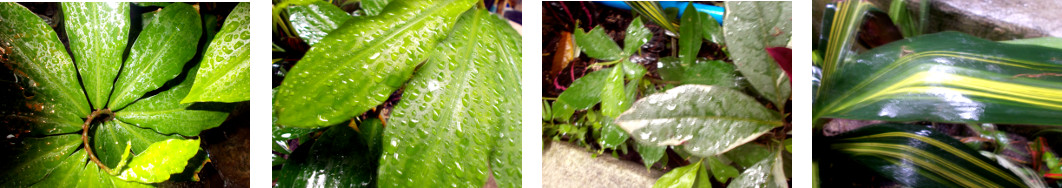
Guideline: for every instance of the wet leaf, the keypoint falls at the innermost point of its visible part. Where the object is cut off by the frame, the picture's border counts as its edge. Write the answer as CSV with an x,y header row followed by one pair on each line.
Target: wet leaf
x,y
159,160
312,22
690,35
596,44
693,175
281,135
98,33
703,71
704,120
452,123
721,171
769,172
224,73
752,27
164,113
584,93
34,158
159,53
650,153
612,95
42,63
712,31
637,35
748,154
341,78
373,7
612,136
76,171
110,140
337,159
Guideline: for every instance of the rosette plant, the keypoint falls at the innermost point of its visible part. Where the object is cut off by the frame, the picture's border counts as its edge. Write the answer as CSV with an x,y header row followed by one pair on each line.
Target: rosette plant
x,y
124,107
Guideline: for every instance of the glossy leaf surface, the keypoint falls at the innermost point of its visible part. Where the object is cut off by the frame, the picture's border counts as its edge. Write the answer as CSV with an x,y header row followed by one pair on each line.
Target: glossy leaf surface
x,y
77,171
341,78
312,22
713,31
224,74
690,34
373,7
584,93
693,175
98,33
947,77
769,172
705,120
164,112
612,95
596,44
917,156
453,125
160,160
703,71
637,35
158,54
1051,42
34,158
40,59
339,158
650,153
110,140
612,136
752,27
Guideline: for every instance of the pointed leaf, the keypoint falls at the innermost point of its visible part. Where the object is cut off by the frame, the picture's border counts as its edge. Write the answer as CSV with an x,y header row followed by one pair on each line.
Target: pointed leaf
x,y
637,35
692,175
32,159
612,135
341,78
650,153
769,172
98,33
705,120
596,44
314,21
712,31
612,95
453,126
159,160
110,140
752,27
224,73
339,158
164,113
584,93
158,54
41,62
690,34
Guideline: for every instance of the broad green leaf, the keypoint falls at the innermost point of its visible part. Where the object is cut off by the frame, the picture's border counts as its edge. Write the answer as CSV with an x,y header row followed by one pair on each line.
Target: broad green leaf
x,y
596,44
650,153
690,34
947,77
712,31
341,78
110,138
1051,42
918,156
633,71
224,73
637,35
281,135
769,172
41,63
159,160
612,95
583,93
693,175
98,33
77,171
748,154
704,120
373,7
314,21
32,159
453,126
159,53
721,171
703,71
339,158
612,135
163,112
751,28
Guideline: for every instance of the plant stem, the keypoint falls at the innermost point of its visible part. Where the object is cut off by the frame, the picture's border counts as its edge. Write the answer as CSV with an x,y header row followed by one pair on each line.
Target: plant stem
x,y
84,137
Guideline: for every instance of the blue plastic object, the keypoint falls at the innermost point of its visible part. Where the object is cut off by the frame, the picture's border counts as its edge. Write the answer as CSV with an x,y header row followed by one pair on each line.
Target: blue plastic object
x,y
716,12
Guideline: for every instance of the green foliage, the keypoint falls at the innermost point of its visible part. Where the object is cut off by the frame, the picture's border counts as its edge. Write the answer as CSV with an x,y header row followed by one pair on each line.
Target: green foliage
x,y
693,175
314,21
141,102
747,40
226,62
340,157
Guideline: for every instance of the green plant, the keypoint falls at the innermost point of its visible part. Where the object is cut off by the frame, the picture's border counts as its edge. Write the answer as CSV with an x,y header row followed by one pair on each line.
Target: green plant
x,y
704,115
450,126
148,101
945,77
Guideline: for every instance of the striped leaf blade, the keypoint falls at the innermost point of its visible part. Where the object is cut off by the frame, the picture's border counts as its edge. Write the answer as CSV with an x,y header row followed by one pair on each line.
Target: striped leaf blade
x,y
922,157
947,77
